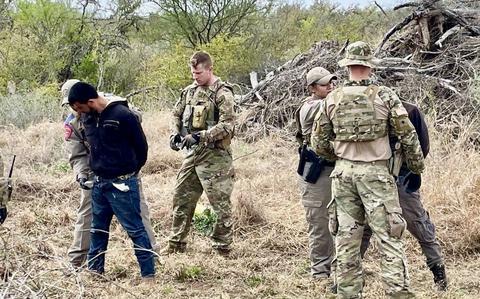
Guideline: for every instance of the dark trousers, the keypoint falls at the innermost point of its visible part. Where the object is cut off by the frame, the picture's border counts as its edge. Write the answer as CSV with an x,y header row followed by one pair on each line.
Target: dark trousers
x,y
120,198
418,224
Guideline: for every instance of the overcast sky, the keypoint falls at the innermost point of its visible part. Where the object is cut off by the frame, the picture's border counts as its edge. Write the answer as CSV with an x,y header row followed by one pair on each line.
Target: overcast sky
x,y
383,3
347,3
343,3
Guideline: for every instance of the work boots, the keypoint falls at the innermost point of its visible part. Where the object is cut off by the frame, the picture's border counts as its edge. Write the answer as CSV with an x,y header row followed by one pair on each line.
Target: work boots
x,y
439,277
170,249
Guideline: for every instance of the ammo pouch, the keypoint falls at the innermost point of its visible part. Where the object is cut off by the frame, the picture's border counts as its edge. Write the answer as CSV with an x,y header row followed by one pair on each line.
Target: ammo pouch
x,y
199,117
310,165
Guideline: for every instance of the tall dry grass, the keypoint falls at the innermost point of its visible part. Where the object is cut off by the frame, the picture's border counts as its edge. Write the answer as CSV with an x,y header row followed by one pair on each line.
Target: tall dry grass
x,y
269,259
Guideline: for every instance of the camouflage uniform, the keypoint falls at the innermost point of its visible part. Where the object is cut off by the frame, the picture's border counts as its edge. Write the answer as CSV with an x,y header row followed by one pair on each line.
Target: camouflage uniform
x,y
79,160
315,197
358,118
418,219
3,193
208,111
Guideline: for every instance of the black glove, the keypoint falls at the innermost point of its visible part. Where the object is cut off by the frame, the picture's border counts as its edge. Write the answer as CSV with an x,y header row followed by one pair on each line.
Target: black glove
x,y
190,140
174,141
3,214
82,182
412,182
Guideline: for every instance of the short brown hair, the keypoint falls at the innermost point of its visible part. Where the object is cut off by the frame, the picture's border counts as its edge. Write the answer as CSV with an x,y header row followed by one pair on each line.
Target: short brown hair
x,y
201,57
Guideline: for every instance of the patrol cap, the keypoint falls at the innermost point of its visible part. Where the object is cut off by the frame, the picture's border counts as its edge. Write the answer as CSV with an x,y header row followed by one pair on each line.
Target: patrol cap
x,y
320,76
65,90
359,53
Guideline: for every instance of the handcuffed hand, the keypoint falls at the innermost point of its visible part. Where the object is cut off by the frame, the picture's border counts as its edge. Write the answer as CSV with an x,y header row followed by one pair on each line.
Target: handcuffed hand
x,y
83,184
190,140
3,214
175,139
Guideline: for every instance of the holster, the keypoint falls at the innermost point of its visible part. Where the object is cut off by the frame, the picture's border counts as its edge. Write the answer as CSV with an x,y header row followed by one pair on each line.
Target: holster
x,y
395,162
310,166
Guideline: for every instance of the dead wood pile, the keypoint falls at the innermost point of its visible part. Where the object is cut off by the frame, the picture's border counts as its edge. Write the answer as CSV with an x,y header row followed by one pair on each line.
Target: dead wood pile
x,y
269,107
431,58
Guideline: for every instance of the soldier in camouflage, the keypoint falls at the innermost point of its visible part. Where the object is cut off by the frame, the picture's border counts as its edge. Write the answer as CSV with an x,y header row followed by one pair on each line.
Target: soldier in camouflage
x,y
316,195
77,145
354,129
418,219
203,125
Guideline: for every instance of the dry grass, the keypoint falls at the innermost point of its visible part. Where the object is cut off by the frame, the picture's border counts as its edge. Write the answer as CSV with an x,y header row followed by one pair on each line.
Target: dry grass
x,y
270,250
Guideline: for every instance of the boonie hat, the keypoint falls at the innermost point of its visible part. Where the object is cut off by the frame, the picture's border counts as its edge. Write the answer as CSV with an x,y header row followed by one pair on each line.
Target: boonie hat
x,y
359,53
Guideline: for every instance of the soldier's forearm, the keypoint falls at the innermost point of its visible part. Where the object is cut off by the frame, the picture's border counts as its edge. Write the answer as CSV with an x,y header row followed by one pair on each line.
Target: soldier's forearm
x,y
413,152
218,132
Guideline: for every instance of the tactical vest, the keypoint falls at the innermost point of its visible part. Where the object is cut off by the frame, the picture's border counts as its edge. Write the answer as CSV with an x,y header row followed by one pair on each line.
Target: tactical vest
x,y
201,111
354,117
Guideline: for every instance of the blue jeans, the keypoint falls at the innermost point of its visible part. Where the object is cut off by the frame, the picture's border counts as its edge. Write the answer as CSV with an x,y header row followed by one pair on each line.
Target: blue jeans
x,y
108,200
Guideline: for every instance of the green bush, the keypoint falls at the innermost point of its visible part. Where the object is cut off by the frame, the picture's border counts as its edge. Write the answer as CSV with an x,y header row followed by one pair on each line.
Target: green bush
x,y
233,60
204,219
22,110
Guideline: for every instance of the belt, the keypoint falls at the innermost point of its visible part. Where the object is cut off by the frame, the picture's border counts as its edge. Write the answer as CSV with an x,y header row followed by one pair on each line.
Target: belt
x,y
378,162
120,177
126,176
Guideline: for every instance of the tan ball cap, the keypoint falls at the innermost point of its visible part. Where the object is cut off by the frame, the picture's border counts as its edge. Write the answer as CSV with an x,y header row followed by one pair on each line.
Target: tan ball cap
x,y
320,76
66,89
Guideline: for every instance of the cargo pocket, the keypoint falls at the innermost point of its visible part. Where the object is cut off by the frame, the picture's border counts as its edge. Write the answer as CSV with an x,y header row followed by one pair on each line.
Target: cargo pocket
x,y
425,228
335,174
313,214
312,203
396,223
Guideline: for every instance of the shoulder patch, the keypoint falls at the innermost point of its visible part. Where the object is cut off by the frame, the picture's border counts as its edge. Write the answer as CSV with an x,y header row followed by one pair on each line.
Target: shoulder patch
x,y
67,131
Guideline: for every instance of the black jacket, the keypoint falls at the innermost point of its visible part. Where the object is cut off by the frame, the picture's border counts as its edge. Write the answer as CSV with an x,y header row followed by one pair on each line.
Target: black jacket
x,y
117,142
418,121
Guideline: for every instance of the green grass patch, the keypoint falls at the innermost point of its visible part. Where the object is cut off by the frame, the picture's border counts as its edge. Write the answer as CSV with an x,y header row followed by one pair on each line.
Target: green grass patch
x,y
189,273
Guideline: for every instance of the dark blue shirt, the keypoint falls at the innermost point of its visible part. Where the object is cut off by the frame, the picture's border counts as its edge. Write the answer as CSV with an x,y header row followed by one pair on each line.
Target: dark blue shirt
x,y
118,145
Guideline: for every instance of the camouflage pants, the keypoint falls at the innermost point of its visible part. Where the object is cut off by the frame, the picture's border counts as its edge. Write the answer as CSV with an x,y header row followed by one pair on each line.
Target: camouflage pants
x,y
418,224
77,253
3,187
366,192
315,198
5,183
208,170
